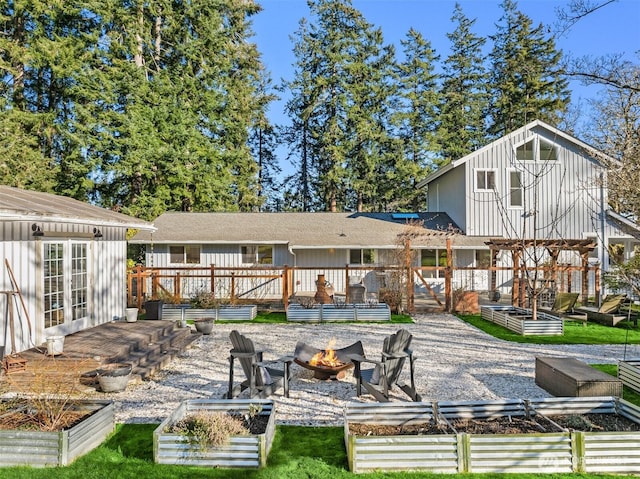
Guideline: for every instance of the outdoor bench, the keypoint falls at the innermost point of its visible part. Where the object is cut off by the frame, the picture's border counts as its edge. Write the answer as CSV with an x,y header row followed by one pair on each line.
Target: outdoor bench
x,y
563,376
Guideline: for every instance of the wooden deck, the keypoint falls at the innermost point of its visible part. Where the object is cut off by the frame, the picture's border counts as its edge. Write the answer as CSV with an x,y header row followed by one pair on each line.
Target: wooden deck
x,y
147,345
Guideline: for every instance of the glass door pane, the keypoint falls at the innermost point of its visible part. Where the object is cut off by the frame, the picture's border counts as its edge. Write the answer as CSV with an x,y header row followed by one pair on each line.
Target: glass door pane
x,y
79,279
53,284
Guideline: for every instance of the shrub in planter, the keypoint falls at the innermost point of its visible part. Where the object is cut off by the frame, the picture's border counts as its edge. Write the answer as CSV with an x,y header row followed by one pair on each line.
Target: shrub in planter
x,y
216,433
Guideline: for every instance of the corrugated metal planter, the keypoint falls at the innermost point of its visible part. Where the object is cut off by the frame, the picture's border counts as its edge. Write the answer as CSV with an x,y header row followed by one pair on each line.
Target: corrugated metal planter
x,y
558,450
243,312
296,312
520,321
373,312
629,373
58,448
331,312
241,451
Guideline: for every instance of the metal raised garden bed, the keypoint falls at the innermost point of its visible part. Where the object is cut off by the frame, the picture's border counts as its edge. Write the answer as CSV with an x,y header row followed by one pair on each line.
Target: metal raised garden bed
x,y
558,450
59,448
249,451
519,320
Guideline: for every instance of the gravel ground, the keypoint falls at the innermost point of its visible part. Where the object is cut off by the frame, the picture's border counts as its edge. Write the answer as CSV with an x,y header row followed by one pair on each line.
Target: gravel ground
x,y
455,361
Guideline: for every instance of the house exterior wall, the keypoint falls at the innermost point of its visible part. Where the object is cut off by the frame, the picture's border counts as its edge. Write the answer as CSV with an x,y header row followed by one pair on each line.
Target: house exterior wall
x,y
563,194
441,196
106,271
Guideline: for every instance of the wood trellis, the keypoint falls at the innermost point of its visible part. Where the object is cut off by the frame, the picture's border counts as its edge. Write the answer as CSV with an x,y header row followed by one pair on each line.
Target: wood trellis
x,y
517,247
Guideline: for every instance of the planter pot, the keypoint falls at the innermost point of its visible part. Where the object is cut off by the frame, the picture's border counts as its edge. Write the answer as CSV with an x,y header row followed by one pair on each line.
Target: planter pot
x,y
131,314
58,448
55,345
114,377
558,450
153,309
248,451
467,302
204,325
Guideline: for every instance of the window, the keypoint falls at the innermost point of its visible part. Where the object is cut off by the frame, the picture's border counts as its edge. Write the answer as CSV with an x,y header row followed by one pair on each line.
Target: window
x,y
548,152
184,254
431,258
515,189
537,150
257,254
361,256
483,258
485,180
526,152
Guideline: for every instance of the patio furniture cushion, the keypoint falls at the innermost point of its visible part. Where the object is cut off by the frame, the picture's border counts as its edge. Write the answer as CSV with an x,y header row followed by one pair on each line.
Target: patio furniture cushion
x,y
564,302
611,303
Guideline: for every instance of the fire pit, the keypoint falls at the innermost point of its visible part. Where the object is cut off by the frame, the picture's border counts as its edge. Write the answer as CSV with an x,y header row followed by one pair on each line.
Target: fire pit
x,y
326,363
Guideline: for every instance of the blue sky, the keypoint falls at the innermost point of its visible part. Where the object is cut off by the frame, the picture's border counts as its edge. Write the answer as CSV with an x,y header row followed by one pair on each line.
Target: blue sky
x,y
613,29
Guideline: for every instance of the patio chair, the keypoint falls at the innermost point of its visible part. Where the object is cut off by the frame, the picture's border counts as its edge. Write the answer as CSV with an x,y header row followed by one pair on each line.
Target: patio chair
x,y
609,311
262,380
563,308
381,378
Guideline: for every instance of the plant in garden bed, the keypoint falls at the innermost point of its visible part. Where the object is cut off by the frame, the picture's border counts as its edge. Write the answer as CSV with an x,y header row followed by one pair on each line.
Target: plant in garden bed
x,y
214,428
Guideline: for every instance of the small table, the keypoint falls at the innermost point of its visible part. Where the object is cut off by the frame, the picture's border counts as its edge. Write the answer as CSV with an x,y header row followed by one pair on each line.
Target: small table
x,y
571,377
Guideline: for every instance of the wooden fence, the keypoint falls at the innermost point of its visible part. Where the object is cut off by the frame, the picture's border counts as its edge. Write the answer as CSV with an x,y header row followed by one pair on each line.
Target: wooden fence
x,y
269,284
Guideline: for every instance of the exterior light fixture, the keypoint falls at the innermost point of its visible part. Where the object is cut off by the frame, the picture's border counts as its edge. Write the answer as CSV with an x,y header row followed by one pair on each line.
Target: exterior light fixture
x,y
37,230
97,233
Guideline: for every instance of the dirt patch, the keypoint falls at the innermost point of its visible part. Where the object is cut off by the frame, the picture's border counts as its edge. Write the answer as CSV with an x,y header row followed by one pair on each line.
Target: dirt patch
x,y
503,425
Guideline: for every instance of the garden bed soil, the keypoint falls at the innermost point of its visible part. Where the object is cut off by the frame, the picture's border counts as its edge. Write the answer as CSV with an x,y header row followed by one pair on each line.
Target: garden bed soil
x,y
256,424
503,425
22,415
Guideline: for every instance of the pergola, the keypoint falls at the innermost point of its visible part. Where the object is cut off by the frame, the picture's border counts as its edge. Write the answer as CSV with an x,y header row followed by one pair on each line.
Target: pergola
x,y
553,247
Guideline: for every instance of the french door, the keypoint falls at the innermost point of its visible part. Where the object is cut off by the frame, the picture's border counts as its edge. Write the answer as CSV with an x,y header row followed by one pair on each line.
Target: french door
x,y
66,286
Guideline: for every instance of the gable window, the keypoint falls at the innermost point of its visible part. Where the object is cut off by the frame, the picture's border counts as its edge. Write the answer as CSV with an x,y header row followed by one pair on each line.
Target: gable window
x,y
548,152
515,189
431,258
526,152
485,180
361,256
537,150
257,254
184,254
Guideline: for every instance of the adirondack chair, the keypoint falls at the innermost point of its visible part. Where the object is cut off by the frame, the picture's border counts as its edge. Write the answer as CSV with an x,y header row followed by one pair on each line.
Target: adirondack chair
x,y
262,379
381,378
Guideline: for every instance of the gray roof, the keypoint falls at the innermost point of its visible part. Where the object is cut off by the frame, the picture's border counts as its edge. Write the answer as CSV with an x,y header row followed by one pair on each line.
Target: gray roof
x,y
304,230
18,204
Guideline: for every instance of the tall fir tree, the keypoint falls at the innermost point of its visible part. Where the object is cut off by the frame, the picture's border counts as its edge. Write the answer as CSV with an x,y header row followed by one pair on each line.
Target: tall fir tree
x,y
416,117
337,107
526,78
464,98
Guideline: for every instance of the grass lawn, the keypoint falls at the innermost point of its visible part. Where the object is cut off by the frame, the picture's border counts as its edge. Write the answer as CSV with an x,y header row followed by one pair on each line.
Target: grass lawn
x,y
574,333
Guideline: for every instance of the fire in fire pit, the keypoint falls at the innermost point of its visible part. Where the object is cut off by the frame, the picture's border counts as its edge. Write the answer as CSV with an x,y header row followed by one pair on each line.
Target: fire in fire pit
x,y
328,363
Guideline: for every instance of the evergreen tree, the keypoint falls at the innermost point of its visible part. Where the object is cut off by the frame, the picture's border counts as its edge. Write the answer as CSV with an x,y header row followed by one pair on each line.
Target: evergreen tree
x,y
263,140
464,92
526,82
170,125
416,118
42,47
337,107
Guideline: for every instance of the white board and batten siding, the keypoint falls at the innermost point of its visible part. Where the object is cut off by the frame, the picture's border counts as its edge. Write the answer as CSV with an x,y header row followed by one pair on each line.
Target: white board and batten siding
x,y
106,268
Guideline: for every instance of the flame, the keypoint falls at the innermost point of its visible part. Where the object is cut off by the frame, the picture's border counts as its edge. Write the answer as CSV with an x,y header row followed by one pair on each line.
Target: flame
x,y
327,357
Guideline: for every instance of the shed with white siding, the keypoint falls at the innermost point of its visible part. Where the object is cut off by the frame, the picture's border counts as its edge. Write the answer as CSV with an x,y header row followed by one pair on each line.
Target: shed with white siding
x,y
68,259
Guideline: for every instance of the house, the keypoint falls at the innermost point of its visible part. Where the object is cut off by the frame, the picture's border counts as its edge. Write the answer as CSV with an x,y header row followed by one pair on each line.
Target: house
x,y
64,266
537,182
313,243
